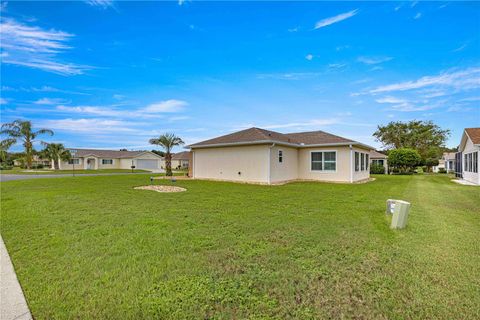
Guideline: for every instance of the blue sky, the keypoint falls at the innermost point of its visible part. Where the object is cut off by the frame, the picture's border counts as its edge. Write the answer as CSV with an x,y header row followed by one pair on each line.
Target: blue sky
x,y
107,74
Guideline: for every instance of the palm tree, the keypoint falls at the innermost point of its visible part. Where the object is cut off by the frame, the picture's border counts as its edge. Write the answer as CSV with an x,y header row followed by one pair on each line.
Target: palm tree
x,y
4,146
55,152
22,130
167,141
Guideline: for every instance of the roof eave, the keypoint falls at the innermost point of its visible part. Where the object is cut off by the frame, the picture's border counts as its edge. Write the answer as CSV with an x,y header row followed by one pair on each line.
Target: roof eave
x,y
295,145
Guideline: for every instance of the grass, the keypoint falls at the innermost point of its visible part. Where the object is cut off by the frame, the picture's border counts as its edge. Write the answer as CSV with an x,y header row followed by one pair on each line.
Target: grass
x,y
17,170
92,247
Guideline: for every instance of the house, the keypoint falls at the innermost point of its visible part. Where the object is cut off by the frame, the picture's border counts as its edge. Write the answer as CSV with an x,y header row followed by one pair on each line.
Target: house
x,y
36,162
469,156
379,159
447,162
181,160
93,159
267,157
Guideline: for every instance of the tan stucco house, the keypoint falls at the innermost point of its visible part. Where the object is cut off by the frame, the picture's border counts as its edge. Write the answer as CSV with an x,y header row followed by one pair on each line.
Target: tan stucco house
x,y
93,159
262,156
380,159
181,160
447,162
469,155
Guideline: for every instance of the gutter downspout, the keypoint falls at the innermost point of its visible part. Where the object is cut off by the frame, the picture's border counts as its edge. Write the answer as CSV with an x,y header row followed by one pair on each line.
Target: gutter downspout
x,y
351,164
269,180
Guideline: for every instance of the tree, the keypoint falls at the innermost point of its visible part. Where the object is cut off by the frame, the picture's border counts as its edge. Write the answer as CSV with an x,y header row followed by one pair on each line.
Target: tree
x,y
431,162
404,159
167,141
4,146
424,136
22,130
55,152
159,152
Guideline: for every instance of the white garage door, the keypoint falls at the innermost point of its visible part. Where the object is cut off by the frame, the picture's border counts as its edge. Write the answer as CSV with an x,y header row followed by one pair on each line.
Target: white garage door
x,y
147,164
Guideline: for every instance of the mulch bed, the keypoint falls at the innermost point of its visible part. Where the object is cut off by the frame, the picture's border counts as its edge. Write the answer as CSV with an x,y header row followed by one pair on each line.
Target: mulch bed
x,y
159,188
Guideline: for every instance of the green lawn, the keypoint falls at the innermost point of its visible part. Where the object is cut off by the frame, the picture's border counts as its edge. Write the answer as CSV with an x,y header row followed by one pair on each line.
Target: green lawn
x,y
50,171
92,247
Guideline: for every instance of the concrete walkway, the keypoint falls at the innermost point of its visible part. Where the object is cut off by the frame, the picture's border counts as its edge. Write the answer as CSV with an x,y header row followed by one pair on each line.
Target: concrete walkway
x,y
10,177
13,305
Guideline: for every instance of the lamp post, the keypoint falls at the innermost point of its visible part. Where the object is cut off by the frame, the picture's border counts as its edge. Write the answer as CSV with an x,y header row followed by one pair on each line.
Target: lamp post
x,y
73,153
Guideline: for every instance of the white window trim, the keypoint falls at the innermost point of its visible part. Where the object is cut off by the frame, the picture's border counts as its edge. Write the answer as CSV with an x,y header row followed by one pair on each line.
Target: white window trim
x,y
107,164
73,160
323,162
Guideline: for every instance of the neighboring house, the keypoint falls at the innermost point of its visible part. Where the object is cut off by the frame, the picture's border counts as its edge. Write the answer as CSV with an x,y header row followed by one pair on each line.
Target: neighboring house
x,y
181,160
380,159
447,162
92,159
469,152
36,161
261,156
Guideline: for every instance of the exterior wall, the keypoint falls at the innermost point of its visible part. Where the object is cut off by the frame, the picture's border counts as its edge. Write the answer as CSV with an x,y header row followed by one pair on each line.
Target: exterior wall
x,y
344,165
360,175
473,177
65,166
225,163
288,168
114,165
124,163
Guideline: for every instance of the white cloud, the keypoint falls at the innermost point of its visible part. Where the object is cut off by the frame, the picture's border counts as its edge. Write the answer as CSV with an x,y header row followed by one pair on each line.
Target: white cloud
x,y
288,75
92,126
49,101
390,99
336,65
179,118
418,15
461,48
309,57
461,80
181,2
118,97
3,101
104,4
294,29
335,19
171,105
34,47
373,60
414,3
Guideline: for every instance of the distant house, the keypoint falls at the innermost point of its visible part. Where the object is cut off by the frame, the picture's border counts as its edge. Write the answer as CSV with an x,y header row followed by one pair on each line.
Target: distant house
x,y
93,159
181,160
379,159
469,156
262,156
447,162
36,162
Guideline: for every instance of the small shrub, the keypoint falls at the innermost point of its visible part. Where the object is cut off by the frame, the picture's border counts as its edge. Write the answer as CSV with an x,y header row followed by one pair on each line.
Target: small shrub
x,y
5,167
442,170
377,169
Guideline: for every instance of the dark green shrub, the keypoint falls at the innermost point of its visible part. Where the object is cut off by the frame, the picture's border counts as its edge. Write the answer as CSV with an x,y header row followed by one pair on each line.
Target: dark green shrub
x,y
405,160
377,169
442,170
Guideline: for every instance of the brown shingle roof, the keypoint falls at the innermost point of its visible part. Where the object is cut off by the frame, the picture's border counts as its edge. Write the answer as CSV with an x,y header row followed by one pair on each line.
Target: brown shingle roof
x,y
377,155
106,153
474,134
184,155
254,135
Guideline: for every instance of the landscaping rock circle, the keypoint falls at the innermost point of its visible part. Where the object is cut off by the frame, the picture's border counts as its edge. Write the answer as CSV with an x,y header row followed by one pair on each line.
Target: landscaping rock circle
x,y
159,188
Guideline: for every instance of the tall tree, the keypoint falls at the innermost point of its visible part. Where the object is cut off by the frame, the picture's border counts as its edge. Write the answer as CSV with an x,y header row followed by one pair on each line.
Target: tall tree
x,y
424,136
55,152
4,146
167,141
404,159
22,130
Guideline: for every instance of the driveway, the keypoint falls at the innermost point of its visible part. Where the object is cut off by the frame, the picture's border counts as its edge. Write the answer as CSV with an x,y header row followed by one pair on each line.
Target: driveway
x,y
11,177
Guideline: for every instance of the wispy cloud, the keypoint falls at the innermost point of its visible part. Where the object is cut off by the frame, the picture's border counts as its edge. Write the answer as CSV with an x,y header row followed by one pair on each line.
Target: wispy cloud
x,y
49,101
462,80
288,75
299,124
331,20
461,48
3,101
34,47
417,16
95,126
373,60
295,29
309,57
171,105
104,4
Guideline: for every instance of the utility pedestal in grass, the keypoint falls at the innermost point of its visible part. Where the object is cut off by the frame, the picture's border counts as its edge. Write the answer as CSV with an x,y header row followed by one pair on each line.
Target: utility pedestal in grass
x,y
400,210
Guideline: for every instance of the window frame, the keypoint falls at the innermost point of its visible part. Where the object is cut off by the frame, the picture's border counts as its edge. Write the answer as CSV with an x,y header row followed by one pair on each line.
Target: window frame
x,y
103,162
280,156
475,161
323,161
73,160
357,161
362,161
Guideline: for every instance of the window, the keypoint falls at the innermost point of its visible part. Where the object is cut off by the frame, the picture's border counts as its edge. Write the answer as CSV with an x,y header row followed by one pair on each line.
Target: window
x,y
357,161
107,161
475,162
465,163
280,156
324,161
378,162
362,157
366,161
74,161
